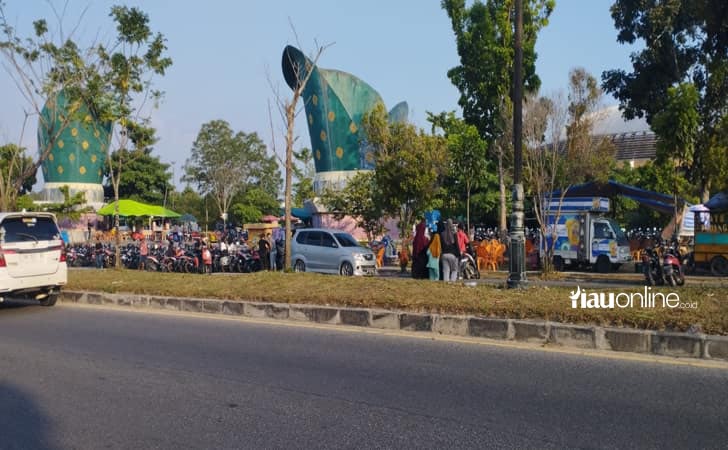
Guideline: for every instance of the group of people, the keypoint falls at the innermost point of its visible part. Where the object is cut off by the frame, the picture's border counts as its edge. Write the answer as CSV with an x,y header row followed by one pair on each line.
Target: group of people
x,y
436,253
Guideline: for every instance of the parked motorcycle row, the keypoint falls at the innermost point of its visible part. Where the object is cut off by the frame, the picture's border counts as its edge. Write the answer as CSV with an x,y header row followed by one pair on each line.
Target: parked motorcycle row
x,y
182,259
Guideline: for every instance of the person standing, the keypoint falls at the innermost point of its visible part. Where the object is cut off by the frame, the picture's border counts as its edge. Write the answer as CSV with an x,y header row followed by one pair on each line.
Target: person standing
x,y
419,251
264,252
143,253
99,250
450,253
434,251
90,228
273,251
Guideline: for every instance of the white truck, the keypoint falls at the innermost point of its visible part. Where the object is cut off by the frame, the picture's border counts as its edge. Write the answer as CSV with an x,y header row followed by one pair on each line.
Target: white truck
x,y
584,235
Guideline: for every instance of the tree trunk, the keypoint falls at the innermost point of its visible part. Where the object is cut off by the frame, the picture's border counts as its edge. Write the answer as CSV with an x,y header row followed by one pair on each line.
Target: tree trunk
x,y
467,210
290,116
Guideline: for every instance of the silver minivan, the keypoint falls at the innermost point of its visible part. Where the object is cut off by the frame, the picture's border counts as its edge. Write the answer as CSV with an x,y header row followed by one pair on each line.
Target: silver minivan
x,y
32,257
330,251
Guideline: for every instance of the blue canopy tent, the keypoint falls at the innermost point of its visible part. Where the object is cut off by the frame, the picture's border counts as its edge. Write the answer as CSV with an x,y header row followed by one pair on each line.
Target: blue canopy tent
x,y
654,200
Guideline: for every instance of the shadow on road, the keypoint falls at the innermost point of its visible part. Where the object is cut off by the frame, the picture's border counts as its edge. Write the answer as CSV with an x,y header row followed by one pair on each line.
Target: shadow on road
x,y
23,424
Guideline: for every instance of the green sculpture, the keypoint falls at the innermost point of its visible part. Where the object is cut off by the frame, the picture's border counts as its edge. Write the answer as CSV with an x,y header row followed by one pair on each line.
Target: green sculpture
x,y
78,154
335,103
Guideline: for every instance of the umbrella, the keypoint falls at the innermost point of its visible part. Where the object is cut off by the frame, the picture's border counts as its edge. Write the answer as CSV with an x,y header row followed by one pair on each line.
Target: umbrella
x,y
188,218
128,208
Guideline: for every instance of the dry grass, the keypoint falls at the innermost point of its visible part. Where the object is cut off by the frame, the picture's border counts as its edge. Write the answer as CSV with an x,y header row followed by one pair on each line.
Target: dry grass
x,y
548,303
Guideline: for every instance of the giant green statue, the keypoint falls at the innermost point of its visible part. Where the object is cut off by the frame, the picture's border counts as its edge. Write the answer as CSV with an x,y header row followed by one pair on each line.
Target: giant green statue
x,y
79,150
335,103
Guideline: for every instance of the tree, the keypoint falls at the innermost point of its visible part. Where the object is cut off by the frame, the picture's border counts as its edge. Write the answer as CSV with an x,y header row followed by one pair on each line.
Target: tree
x,y
224,163
484,35
684,42
677,128
588,157
300,73
360,199
552,167
304,172
254,202
469,167
410,165
13,164
145,178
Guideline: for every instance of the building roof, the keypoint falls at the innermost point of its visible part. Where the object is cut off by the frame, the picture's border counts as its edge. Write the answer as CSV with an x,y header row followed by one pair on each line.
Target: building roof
x,y
634,146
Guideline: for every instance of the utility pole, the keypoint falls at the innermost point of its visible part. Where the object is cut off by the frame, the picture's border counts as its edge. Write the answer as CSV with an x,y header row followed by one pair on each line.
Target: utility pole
x,y
517,257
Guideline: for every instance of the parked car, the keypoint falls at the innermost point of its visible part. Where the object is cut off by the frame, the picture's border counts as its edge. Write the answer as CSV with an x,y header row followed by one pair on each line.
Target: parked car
x,y
330,251
32,257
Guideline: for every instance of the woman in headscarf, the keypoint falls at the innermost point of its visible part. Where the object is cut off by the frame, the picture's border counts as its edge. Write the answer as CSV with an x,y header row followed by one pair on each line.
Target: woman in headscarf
x,y
433,257
419,251
450,253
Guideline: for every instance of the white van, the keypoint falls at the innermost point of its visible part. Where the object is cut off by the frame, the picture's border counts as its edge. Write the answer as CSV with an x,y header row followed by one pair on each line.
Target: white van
x,y
32,257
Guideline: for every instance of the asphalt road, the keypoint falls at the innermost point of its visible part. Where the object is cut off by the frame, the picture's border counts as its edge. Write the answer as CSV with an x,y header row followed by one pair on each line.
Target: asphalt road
x,y
93,378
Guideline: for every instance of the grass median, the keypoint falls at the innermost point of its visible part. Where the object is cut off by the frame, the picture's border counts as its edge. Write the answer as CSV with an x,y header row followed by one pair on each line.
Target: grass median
x,y
549,303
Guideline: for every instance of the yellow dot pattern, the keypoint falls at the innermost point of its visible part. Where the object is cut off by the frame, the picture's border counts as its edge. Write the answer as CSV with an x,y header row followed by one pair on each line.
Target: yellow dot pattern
x,y
353,128
332,116
93,158
60,143
314,100
99,172
310,119
51,157
87,119
339,152
82,170
97,133
323,135
72,157
74,132
318,154
60,169
84,145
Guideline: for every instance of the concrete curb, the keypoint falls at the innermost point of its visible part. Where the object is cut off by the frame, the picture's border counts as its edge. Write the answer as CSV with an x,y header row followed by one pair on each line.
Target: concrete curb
x,y
684,345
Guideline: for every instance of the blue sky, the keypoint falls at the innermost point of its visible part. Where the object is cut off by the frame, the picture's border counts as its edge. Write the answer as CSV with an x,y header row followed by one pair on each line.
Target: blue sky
x,y
225,52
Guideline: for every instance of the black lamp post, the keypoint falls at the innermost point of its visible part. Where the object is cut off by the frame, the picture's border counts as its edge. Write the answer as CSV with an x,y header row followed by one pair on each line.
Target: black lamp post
x,y
517,258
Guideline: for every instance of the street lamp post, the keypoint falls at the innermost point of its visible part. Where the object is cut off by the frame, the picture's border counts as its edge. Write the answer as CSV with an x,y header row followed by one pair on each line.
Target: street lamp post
x,y
517,258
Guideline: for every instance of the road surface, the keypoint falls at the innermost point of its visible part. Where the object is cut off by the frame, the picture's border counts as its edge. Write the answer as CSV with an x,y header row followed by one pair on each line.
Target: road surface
x,y
94,378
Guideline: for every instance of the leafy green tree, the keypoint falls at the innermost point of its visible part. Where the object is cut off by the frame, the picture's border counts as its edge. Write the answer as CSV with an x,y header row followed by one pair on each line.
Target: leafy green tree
x,y
469,167
188,202
677,128
360,199
224,163
70,208
253,203
484,34
13,165
145,178
410,165
684,42
304,172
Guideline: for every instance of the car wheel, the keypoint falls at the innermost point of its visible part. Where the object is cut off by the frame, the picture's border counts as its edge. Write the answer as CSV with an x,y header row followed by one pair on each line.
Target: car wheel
x,y
719,266
603,265
50,300
346,269
299,266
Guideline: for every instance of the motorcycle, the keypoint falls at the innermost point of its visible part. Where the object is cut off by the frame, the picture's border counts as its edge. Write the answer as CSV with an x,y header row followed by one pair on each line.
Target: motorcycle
x,y
672,268
652,267
468,265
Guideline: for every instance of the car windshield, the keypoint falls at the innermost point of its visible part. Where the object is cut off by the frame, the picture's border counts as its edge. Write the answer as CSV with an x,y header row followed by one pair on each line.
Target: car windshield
x,y
621,237
23,229
346,240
